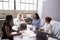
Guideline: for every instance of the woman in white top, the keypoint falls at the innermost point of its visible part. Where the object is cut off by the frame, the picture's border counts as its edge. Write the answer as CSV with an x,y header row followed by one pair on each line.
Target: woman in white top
x,y
47,28
17,21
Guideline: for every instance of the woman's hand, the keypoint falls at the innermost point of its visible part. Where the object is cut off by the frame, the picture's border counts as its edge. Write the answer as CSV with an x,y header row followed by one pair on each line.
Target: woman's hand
x,y
19,33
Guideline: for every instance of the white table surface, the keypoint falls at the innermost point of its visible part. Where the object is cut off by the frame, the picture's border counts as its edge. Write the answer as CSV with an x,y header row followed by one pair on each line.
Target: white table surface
x,y
50,38
26,37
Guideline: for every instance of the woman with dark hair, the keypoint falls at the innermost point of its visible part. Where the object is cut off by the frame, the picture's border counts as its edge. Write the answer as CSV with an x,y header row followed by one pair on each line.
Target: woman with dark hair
x,y
36,20
47,28
7,28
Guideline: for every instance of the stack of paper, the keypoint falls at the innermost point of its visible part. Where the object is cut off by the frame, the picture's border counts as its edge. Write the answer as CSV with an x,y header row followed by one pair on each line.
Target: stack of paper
x,y
28,33
50,38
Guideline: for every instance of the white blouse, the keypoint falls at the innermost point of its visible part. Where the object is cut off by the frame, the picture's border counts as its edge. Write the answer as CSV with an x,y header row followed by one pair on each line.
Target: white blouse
x,y
16,22
47,28
28,33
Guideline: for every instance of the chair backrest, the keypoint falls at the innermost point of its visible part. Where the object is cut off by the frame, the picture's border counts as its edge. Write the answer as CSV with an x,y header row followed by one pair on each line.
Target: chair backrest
x,y
55,28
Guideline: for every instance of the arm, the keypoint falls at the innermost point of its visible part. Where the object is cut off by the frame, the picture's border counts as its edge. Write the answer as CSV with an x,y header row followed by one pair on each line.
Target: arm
x,y
36,23
41,29
8,32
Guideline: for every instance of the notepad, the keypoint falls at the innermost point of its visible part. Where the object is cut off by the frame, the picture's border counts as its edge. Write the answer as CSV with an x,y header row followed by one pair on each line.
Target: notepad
x,y
29,33
50,38
14,33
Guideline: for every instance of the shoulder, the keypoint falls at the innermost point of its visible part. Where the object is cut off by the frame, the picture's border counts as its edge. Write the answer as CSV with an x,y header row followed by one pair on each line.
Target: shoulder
x,y
6,24
15,19
49,24
38,20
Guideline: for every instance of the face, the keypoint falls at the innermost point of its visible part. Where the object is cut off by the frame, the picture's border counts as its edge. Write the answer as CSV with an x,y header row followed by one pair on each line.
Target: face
x,y
20,17
11,21
34,16
46,21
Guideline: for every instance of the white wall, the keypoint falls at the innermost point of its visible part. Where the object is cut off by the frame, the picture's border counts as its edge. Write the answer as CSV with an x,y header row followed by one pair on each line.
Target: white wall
x,y
49,8
40,8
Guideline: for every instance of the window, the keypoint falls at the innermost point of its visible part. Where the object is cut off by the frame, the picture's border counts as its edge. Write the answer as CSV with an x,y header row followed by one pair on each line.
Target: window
x,y
35,7
6,4
26,1
31,1
31,7
18,4
11,6
11,0
22,6
1,5
18,1
26,4
22,0
35,1
5,0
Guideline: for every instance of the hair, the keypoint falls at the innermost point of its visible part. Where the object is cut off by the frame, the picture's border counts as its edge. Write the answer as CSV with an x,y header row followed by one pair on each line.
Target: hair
x,y
23,26
48,19
19,14
9,18
37,16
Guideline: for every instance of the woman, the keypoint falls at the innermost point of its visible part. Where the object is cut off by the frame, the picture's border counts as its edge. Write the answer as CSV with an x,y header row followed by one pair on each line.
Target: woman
x,y
36,20
18,20
7,28
47,28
